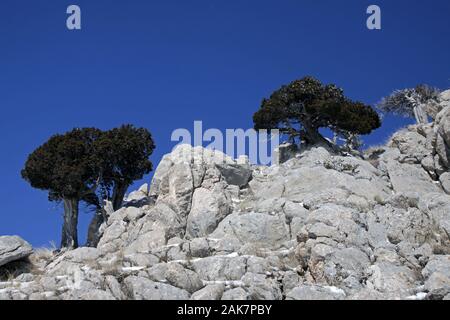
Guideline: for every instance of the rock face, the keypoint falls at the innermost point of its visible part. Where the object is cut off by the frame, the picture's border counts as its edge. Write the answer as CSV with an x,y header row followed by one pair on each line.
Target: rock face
x,y
314,226
13,248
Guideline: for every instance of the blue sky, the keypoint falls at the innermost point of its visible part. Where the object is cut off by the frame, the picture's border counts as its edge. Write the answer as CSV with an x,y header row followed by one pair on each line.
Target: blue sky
x,y
164,64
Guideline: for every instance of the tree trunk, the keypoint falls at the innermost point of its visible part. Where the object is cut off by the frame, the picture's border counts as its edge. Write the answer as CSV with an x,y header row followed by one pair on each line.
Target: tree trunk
x,y
118,194
313,137
101,215
69,238
94,228
420,115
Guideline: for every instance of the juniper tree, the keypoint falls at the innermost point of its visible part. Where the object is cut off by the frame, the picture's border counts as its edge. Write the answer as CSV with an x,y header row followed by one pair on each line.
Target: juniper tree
x,y
302,107
68,168
124,154
418,102
91,166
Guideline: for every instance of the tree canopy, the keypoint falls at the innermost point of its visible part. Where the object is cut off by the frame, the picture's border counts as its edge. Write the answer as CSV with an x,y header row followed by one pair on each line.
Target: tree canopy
x,y
85,165
302,107
419,102
66,165
125,153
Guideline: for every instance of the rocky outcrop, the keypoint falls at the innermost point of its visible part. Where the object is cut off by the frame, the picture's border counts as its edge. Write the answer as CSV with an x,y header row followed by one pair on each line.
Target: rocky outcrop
x,y
315,226
13,248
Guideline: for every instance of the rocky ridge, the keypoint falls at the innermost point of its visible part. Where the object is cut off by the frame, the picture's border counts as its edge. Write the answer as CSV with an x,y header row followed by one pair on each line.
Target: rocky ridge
x,y
318,226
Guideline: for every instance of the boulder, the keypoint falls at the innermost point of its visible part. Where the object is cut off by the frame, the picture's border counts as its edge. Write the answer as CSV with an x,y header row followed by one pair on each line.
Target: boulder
x,y
261,287
253,227
437,276
408,178
183,278
13,248
144,289
312,292
411,144
209,207
235,174
210,292
235,294
220,268
445,181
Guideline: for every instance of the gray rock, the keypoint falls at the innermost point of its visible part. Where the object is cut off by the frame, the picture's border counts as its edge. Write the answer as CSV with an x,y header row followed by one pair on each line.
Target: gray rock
x,y
235,174
226,245
411,144
5,294
391,278
158,272
261,228
48,295
114,288
311,292
210,292
235,294
437,206
82,254
138,195
133,213
220,268
183,278
209,207
25,277
407,178
437,276
144,289
291,279
261,287
445,181
152,235
142,259
199,247
91,294
13,248
181,187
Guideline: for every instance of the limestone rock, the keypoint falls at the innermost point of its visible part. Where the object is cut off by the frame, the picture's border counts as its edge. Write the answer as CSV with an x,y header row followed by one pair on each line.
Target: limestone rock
x,y
235,174
235,294
437,275
210,292
183,278
315,225
308,292
445,181
209,207
144,289
261,228
13,248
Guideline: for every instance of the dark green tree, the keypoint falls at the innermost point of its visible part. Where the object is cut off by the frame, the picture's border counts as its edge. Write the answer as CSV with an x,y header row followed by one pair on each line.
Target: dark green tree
x,y
124,154
68,168
304,106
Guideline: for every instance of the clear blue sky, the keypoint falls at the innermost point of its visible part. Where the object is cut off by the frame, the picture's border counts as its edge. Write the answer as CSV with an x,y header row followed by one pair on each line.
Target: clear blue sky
x,y
164,64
